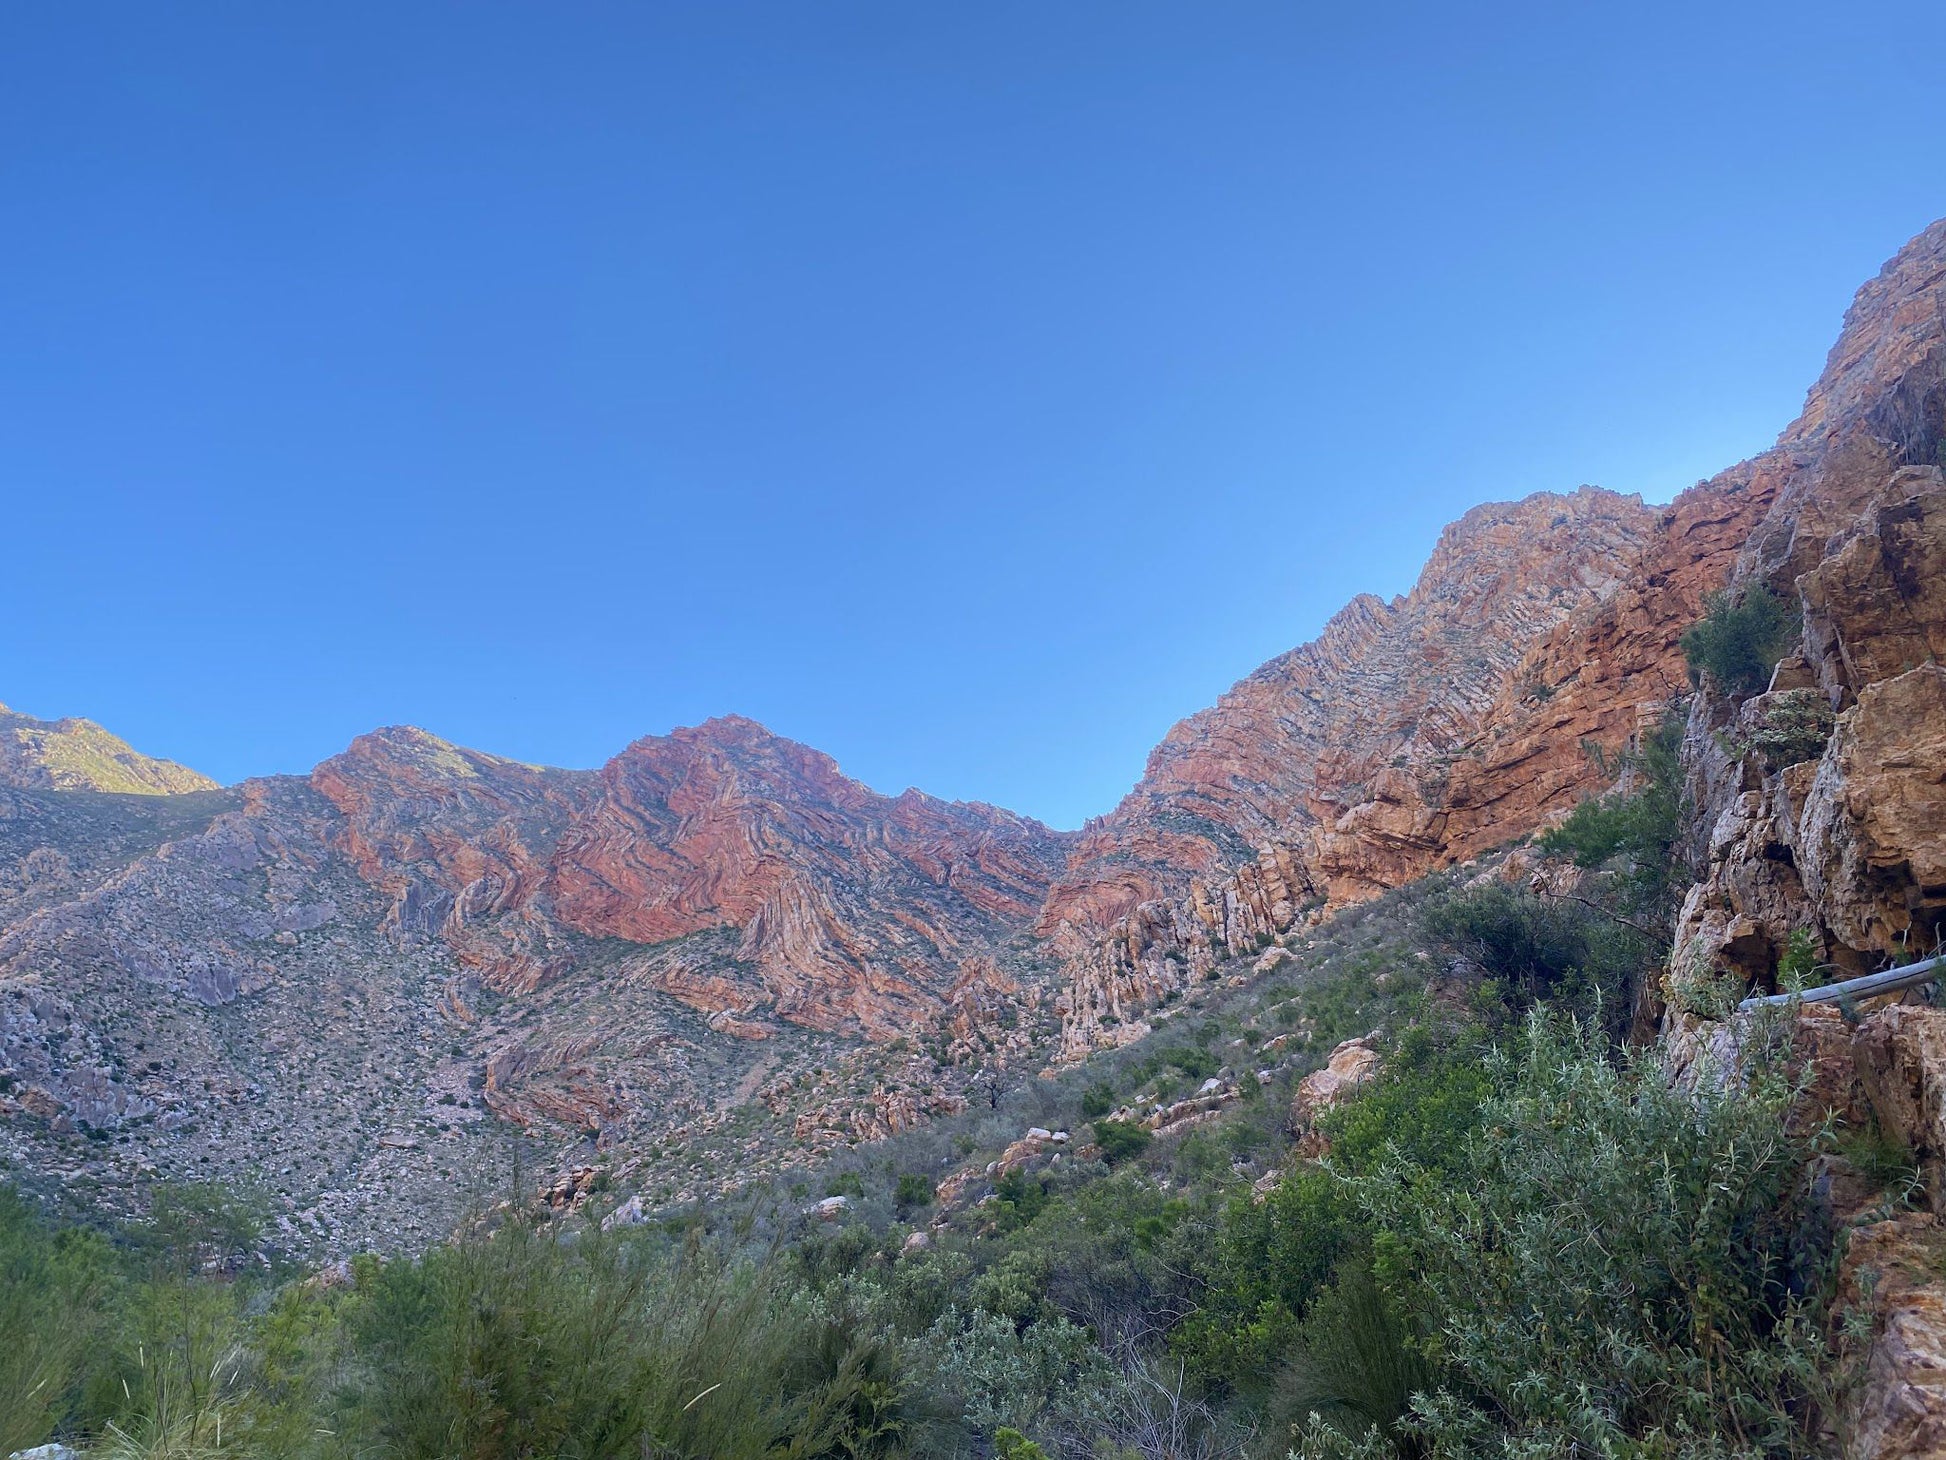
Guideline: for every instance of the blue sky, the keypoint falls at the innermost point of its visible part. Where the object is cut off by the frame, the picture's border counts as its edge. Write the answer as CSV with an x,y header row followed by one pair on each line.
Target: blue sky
x,y
969,391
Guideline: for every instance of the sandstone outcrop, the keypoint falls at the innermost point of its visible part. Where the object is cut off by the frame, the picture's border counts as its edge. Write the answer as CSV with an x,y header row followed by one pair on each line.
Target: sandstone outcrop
x,y
853,910
1847,845
1350,1065
1384,697
846,910
1890,1308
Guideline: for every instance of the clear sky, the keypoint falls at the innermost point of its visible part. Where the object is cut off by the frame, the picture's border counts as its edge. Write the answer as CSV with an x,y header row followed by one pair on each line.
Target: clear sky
x,y
968,390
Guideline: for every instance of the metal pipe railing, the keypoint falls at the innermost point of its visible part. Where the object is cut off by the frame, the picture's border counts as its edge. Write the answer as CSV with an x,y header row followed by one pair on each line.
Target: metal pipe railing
x,y
1887,982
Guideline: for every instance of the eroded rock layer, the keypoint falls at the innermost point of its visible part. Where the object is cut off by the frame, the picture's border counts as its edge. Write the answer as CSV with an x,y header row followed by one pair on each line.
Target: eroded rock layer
x,y
1409,737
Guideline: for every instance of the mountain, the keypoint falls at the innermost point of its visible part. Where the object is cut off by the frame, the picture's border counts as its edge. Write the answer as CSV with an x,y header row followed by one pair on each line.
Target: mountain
x,y
717,954
78,755
1370,757
845,910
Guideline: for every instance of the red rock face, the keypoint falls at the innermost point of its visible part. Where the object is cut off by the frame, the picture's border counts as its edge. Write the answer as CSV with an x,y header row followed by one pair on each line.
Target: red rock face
x,y
851,910
854,909
463,843
1420,733
1386,694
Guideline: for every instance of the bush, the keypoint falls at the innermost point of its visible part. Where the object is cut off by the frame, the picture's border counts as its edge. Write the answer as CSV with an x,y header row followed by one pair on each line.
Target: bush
x,y
1011,1444
1097,1100
1797,724
517,1345
913,1192
1120,1139
1633,831
1617,1274
1019,1198
1797,967
1361,1364
1739,639
1533,948
1267,1262
51,1288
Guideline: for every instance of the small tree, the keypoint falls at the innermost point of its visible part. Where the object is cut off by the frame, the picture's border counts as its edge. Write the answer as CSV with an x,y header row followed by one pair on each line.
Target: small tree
x,y
1739,639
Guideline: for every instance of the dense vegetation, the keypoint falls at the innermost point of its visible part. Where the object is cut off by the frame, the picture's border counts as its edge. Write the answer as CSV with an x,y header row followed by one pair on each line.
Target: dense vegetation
x,y
1525,1240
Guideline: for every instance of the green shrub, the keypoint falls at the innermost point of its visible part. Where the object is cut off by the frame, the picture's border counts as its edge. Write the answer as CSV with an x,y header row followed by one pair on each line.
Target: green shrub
x,y
1361,1365
1797,967
1120,1139
1533,948
1009,1444
1020,1197
1264,1265
518,1345
1424,1105
1617,1275
51,1294
1198,1064
1797,725
913,1192
1270,1259
1739,639
1633,831
1097,1100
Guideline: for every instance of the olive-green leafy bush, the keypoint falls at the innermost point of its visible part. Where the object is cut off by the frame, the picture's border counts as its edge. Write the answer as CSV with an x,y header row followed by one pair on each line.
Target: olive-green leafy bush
x,y
1796,726
1120,1139
1739,639
1619,1274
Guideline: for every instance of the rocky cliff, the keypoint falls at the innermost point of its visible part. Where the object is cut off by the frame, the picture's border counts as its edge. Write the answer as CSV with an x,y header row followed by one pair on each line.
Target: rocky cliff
x,y
849,910
352,980
1416,735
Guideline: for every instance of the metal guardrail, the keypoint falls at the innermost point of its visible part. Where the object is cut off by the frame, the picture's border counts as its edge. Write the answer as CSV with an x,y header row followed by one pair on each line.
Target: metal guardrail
x,y
1888,982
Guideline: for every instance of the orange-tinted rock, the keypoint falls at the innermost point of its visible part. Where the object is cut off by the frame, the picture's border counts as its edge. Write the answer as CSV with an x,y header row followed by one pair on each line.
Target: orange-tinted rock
x,y
846,910
1421,733
1351,1064
1889,1286
853,910
1381,700
462,842
1848,847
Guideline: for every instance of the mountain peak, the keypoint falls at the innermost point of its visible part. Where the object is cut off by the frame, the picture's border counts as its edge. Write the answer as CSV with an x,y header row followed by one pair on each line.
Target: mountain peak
x,y
79,755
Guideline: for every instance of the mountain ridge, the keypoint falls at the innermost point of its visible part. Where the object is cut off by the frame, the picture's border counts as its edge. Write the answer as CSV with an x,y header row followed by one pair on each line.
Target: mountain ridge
x,y
716,949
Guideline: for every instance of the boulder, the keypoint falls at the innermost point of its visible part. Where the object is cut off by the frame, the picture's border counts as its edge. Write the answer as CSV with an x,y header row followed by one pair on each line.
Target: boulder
x,y
1351,1065
628,1214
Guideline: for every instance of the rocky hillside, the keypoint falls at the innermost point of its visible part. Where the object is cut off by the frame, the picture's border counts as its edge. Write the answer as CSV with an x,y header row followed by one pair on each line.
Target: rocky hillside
x,y
78,755
717,951
1389,760
360,982
846,910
